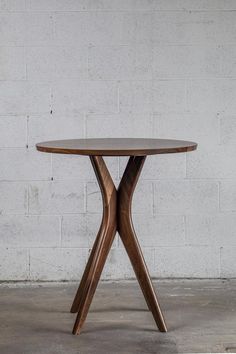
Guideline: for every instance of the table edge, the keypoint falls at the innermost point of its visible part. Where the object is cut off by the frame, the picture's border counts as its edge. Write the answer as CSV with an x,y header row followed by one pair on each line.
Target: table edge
x,y
139,152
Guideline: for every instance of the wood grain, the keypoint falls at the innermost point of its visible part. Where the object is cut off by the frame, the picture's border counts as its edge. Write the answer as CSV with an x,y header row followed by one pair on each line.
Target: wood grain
x,y
116,147
116,212
116,217
130,241
101,246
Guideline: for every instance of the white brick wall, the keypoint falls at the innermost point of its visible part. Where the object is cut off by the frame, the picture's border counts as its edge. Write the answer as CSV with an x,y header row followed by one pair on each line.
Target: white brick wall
x,y
113,68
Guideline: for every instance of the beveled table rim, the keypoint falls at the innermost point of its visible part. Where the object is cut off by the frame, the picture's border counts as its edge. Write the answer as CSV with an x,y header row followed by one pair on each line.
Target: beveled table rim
x,y
88,146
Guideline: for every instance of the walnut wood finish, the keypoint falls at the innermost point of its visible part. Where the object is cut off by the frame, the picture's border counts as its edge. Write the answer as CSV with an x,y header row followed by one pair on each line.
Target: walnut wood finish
x,y
116,212
116,147
130,241
116,217
101,246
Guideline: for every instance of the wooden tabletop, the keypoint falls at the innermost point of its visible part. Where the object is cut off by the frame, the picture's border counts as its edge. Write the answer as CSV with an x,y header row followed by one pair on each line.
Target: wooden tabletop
x,y
116,146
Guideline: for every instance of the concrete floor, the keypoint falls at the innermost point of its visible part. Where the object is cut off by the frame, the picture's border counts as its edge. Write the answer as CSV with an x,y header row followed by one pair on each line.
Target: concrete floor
x,y
201,317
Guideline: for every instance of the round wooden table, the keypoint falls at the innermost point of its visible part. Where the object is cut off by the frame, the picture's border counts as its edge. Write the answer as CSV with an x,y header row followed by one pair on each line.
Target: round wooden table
x,y
116,211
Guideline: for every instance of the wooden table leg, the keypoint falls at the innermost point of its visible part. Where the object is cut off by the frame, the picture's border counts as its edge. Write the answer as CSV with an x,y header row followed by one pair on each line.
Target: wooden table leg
x,y
116,217
82,285
102,244
130,241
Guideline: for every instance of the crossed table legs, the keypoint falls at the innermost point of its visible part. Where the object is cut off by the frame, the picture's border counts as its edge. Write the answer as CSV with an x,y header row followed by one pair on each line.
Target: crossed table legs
x,y
116,217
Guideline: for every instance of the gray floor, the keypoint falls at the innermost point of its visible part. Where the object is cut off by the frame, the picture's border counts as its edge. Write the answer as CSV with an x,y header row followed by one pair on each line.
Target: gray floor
x,y
201,317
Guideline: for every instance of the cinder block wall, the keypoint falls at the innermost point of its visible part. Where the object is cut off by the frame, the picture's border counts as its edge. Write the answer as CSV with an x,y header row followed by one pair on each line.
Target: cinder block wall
x,y
117,68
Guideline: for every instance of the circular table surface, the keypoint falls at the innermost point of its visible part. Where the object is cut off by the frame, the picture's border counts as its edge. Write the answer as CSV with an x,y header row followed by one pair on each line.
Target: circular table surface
x,y
116,146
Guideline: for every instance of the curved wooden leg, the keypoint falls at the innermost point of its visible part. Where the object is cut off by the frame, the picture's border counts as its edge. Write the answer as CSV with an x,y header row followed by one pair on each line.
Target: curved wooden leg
x,y
129,239
116,217
78,296
102,244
